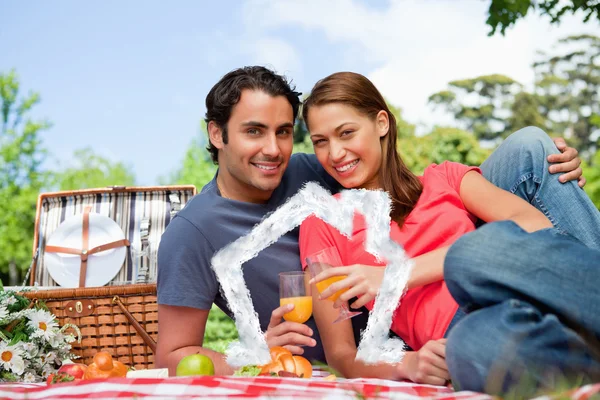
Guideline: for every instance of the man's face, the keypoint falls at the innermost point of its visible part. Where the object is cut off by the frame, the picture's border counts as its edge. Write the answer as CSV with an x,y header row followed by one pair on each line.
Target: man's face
x,y
259,147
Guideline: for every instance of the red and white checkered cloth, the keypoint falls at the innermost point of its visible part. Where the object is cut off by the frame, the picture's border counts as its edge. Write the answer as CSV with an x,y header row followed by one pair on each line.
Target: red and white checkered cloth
x,y
217,387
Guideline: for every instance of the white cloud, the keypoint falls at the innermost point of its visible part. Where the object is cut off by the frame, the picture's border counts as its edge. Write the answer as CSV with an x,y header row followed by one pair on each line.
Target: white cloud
x,y
275,53
419,46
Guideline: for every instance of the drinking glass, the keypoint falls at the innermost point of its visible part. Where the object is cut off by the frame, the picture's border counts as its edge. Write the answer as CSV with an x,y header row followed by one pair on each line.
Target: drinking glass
x,y
293,289
320,261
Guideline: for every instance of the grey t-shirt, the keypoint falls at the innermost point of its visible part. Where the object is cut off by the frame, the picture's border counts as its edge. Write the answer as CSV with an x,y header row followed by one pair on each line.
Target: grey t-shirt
x,y
209,222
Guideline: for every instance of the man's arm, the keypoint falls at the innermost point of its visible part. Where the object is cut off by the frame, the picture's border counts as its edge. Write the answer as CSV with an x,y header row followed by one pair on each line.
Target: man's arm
x,y
186,287
188,337
567,163
181,333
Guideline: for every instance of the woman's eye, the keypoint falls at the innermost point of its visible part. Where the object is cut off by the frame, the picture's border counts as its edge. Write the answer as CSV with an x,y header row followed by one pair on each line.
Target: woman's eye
x,y
317,142
346,133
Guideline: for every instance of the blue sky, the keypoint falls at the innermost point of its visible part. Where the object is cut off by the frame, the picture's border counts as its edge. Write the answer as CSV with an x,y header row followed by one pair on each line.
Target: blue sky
x,y
129,78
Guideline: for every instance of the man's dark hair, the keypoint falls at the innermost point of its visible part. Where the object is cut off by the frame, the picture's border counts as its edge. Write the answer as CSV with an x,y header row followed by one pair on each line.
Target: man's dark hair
x,y
226,94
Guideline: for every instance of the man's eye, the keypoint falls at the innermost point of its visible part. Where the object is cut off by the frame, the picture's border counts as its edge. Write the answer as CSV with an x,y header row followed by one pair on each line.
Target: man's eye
x,y
285,132
253,131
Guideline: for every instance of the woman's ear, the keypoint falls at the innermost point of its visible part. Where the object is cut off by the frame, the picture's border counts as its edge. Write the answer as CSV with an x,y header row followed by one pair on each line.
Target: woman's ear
x,y
382,122
215,135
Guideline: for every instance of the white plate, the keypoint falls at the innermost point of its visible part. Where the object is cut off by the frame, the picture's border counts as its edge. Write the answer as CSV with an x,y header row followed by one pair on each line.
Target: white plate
x,y
101,267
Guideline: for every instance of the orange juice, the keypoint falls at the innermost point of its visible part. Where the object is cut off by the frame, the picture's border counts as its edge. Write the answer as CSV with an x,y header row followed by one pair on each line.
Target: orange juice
x,y
302,310
321,286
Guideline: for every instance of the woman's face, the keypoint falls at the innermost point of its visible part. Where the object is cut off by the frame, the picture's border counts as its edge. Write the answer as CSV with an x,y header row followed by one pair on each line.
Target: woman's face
x,y
347,143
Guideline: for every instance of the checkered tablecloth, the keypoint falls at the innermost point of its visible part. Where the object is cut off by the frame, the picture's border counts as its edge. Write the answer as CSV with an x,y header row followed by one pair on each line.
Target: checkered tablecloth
x,y
217,387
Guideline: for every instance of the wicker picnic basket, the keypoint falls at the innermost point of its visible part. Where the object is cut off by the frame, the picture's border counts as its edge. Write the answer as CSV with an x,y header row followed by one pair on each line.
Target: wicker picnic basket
x,y
122,316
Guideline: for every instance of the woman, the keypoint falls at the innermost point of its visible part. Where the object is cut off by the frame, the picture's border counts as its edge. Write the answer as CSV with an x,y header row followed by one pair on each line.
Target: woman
x,y
350,127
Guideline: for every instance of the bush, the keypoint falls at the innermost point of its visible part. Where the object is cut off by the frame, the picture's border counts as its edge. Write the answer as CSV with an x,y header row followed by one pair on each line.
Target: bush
x,y
220,330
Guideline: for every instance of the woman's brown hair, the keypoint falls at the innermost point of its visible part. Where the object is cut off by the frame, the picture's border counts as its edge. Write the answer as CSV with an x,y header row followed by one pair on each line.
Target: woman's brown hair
x,y
358,92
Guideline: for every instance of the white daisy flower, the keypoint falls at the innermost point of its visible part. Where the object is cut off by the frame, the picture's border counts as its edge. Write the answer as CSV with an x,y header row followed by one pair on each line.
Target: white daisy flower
x,y
47,370
70,338
50,357
56,340
29,377
11,300
3,312
29,347
43,323
37,364
10,358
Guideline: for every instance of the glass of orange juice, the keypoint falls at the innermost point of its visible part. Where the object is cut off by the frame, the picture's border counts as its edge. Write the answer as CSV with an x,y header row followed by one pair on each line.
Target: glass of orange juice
x,y
320,261
294,289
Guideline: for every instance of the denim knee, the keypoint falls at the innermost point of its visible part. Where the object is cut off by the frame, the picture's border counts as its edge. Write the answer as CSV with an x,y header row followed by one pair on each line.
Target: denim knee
x,y
533,140
473,259
467,363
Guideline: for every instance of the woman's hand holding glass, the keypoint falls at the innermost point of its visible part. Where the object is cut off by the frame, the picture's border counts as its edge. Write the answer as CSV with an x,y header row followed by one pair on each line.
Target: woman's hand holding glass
x,y
325,260
362,281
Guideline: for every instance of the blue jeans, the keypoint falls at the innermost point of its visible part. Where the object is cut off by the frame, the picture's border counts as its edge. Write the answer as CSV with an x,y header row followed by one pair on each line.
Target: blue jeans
x,y
474,351
533,309
519,165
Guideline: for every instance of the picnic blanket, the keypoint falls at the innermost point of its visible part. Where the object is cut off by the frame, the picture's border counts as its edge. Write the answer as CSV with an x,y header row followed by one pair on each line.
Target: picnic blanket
x,y
217,387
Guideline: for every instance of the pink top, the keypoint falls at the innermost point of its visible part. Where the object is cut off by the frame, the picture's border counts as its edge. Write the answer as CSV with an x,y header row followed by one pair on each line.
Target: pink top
x,y
438,219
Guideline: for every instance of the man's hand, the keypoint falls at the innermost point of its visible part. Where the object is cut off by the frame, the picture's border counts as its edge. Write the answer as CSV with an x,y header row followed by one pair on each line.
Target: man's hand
x,y
362,281
566,162
290,335
428,365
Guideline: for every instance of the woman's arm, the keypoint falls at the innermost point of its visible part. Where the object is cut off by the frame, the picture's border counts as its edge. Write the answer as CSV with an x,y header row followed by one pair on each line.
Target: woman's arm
x,y
428,365
490,203
482,199
340,347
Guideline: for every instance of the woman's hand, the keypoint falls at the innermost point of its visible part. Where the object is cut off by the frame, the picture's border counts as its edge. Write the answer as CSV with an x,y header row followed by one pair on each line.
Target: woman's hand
x,y
428,365
361,281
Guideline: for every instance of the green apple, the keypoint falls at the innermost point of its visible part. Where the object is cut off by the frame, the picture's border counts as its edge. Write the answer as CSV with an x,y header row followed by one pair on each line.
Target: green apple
x,y
195,364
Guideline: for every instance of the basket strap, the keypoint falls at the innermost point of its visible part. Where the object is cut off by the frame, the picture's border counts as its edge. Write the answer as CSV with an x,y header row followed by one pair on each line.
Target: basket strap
x,y
136,325
97,249
85,243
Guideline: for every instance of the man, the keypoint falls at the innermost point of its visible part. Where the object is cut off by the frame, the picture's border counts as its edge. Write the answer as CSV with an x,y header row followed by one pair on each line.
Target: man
x,y
250,116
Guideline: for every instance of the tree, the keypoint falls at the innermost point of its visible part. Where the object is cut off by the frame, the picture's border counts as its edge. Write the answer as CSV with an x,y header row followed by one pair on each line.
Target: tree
x,y
305,146
92,171
21,154
441,144
300,129
504,13
525,111
404,129
592,174
568,90
481,105
197,168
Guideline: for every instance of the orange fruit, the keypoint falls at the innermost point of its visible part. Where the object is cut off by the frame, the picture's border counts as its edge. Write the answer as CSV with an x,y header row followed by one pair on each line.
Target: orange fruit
x,y
103,360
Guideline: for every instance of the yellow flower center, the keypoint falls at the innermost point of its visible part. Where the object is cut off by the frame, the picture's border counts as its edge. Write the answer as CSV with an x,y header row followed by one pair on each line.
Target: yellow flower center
x,y
43,326
6,356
